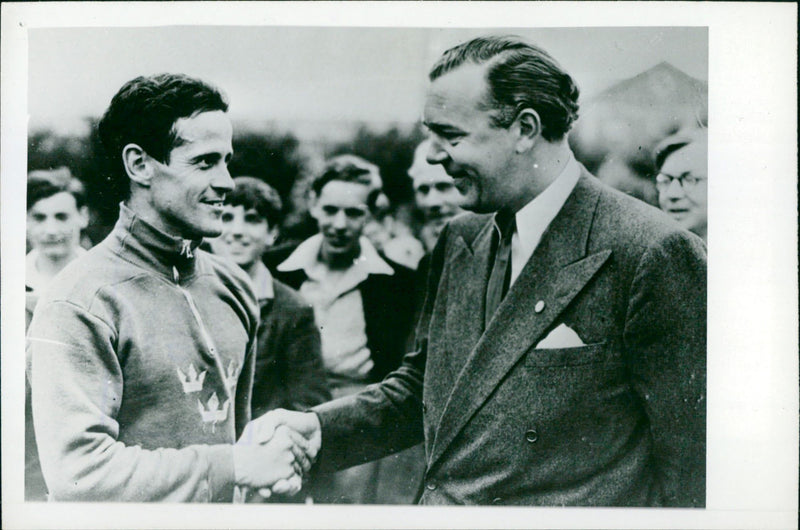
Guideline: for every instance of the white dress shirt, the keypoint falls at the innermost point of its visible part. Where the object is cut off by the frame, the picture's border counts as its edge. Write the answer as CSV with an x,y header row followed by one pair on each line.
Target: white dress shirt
x,y
534,218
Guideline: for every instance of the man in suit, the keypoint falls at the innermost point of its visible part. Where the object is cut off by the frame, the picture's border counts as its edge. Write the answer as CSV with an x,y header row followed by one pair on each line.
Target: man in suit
x,y
584,383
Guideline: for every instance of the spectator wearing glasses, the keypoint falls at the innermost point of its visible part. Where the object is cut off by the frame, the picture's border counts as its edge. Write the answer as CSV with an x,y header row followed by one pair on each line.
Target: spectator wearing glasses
x,y
682,179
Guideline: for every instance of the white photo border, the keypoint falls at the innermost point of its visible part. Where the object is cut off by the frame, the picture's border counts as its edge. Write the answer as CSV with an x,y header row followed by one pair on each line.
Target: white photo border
x,y
753,313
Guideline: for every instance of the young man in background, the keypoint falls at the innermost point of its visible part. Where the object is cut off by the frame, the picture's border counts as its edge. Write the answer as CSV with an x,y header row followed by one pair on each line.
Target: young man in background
x,y
289,372
364,305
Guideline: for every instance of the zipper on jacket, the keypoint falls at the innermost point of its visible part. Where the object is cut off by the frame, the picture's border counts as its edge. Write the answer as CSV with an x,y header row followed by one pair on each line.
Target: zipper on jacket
x,y
204,332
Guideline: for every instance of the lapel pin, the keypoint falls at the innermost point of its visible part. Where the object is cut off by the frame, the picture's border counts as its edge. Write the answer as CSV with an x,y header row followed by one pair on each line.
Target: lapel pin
x,y
539,307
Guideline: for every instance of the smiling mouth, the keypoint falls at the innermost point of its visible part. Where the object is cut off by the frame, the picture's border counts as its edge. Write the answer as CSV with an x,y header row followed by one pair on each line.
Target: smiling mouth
x,y
337,241
215,204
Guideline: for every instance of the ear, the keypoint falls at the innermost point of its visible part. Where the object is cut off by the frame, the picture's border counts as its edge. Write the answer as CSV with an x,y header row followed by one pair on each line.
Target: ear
x,y
137,164
272,235
530,128
83,217
312,204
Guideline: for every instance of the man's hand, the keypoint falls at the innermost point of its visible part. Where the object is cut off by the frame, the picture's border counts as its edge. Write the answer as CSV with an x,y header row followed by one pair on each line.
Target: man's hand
x,y
262,429
278,464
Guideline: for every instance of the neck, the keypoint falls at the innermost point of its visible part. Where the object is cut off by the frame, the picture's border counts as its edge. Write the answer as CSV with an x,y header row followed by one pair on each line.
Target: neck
x,y
338,261
251,269
142,208
546,161
50,266
702,232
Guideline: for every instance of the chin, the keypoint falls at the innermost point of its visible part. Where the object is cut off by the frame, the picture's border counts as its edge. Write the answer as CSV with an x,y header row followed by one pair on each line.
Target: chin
x,y
54,252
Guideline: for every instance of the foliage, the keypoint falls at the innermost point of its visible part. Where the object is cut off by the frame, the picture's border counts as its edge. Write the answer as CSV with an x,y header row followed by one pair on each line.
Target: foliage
x,y
392,151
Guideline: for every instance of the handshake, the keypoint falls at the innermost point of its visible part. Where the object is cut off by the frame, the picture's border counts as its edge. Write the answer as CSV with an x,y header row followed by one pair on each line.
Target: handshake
x,y
275,450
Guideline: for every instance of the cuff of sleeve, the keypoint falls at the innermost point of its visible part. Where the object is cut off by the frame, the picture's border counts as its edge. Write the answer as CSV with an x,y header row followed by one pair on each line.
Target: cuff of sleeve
x,y
221,479
331,424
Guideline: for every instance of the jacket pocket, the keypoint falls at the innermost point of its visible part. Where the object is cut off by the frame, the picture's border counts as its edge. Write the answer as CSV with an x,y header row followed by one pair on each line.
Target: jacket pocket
x,y
589,354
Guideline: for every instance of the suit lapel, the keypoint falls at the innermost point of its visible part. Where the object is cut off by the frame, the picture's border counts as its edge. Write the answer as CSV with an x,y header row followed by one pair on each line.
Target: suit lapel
x,y
556,272
467,268
469,271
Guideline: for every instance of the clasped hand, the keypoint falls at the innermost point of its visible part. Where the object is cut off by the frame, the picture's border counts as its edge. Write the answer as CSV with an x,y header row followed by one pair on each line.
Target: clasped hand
x,y
275,450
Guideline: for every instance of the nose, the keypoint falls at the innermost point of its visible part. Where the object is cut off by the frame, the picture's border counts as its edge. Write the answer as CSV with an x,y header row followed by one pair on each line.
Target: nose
x,y
222,181
235,227
434,202
50,226
674,190
339,221
435,198
436,154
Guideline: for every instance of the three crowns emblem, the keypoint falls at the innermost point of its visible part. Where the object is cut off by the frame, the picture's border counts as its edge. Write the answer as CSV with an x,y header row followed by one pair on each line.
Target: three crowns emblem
x,y
212,413
192,382
231,375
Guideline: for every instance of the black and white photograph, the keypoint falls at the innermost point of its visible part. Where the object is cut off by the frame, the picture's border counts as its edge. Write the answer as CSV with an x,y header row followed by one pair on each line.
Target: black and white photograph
x,y
359,270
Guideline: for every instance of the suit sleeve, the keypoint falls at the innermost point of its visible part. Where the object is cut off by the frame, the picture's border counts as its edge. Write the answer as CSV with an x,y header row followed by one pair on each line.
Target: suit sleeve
x,y
386,417
665,344
76,382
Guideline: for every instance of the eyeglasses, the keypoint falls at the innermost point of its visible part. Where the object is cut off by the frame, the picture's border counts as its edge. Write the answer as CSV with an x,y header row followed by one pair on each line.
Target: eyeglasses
x,y
688,182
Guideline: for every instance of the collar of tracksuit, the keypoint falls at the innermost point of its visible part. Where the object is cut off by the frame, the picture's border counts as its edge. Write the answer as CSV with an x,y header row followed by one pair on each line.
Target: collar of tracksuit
x,y
143,244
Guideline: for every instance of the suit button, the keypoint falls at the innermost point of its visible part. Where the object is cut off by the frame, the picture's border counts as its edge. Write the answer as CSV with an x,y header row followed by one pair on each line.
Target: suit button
x,y
424,408
497,500
539,307
431,485
531,435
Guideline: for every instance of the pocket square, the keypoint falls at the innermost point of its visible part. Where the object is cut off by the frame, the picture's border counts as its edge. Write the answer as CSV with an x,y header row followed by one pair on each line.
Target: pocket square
x,y
561,337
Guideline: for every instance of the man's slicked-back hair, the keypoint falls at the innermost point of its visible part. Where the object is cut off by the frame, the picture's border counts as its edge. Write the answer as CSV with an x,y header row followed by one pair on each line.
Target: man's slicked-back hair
x,y
252,193
144,112
519,75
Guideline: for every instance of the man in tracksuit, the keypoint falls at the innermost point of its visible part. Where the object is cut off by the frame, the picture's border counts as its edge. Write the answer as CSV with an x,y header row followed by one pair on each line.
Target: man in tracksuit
x,y
141,352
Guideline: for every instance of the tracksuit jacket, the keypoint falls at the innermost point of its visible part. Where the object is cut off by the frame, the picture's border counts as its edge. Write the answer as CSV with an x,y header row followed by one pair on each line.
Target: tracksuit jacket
x,y
141,363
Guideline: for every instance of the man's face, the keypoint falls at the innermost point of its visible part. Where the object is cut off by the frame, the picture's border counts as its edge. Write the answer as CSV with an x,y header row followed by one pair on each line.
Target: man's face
x,y
55,224
478,156
688,207
245,236
436,197
435,192
341,212
187,193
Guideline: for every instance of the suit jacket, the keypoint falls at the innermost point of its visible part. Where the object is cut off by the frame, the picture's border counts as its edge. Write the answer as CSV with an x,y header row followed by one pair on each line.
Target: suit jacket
x,y
618,421
289,372
389,306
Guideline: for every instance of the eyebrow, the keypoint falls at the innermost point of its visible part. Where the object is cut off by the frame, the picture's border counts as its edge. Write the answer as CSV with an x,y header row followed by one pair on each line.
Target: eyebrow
x,y
210,156
440,128
680,175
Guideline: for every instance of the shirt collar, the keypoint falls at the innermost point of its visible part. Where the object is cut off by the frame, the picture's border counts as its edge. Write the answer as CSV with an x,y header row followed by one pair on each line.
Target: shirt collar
x,y
306,258
534,218
262,282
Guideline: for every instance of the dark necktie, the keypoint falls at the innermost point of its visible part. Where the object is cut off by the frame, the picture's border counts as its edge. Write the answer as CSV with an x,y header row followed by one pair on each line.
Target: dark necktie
x,y
501,271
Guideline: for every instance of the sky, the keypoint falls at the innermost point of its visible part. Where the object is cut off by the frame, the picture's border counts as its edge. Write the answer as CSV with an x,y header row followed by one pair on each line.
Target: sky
x,y
325,75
